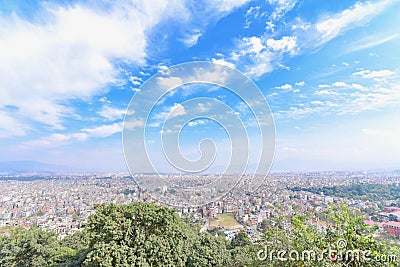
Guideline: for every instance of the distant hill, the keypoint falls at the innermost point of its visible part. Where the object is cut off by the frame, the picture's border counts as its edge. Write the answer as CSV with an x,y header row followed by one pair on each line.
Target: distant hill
x,y
24,166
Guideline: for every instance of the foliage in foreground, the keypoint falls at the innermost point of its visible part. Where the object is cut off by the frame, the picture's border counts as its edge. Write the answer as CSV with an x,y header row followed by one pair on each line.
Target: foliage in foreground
x,y
144,234
340,240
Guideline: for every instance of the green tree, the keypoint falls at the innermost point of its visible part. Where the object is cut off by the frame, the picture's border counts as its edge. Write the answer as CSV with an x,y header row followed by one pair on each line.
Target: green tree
x,y
342,232
79,243
208,250
139,234
245,256
32,247
240,240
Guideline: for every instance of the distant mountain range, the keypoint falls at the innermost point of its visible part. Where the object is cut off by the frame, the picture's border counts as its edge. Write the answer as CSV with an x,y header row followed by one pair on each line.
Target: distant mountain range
x,y
24,166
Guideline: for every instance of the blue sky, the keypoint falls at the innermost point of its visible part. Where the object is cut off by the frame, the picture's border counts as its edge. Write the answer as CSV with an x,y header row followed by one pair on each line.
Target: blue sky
x,y
329,70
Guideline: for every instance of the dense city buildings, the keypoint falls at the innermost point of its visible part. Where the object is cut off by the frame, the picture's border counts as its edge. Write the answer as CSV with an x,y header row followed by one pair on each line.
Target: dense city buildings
x,y
63,202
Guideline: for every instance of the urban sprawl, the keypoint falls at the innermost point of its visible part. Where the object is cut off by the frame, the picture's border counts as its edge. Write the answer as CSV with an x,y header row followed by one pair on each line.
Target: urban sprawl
x,y
63,202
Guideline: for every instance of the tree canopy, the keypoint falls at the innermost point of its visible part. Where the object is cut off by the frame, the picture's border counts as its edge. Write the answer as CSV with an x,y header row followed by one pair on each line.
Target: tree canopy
x,y
145,234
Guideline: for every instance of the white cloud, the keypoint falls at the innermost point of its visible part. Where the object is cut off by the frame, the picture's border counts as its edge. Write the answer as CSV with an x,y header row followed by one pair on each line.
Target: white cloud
x,y
104,130
340,84
301,25
371,41
169,82
192,39
111,113
281,7
325,92
223,62
251,14
203,107
260,55
135,80
302,83
52,140
216,74
253,44
177,110
298,112
368,74
69,54
286,44
270,26
226,6
104,99
357,86
317,102
285,86
333,25
137,123
58,139
196,122
197,17
9,126
374,97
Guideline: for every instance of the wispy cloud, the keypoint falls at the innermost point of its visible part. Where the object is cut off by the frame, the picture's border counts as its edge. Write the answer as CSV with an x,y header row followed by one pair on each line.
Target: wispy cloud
x,y
191,39
61,139
341,98
371,41
262,54
371,74
10,126
333,25
111,113
281,7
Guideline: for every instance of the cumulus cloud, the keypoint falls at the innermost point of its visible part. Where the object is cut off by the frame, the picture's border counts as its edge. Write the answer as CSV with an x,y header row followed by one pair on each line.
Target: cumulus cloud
x,y
285,86
223,62
196,122
69,54
286,44
262,54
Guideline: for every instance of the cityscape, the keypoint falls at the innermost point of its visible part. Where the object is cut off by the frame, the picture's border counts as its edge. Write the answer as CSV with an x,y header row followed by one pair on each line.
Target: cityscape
x,y
63,202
